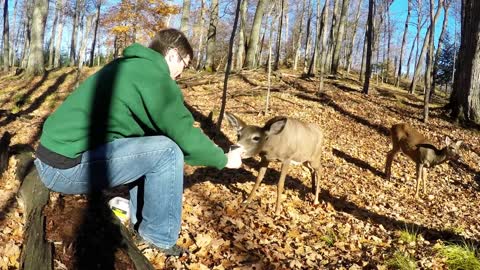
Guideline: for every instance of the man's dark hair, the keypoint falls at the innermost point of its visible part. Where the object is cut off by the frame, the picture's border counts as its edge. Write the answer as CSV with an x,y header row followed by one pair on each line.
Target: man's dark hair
x,y
171,38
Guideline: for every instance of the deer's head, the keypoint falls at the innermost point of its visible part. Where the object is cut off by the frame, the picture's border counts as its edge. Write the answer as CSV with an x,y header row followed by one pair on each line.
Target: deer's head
x,y
452,149
252,138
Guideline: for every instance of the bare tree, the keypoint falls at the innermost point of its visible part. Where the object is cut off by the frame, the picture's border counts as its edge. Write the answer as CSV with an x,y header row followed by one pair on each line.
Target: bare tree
x,y
298,43
279,35
369,37
185,16
429,62
404,40
83,43
212,36
59,34
241,35
27,24
6,36
465,99
51,47
79,5
95,32
307,36
354,35
200,34
339,37
424,48
255,34
323,53
446,6
35,65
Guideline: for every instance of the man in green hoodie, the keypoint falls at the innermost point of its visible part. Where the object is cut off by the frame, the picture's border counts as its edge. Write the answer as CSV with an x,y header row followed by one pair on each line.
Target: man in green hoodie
x,y
127,124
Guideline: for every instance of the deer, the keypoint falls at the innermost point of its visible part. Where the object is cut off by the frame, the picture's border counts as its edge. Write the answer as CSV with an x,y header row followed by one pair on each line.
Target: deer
x,y
283,139
420,150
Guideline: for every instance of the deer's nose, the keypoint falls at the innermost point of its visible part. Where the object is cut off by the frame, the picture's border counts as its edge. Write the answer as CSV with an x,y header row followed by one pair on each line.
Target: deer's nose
x,y
234,147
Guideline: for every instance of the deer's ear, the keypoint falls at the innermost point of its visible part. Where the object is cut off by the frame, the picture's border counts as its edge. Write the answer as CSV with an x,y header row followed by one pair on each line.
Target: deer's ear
x,y
448,141
277,126
234,121
458,144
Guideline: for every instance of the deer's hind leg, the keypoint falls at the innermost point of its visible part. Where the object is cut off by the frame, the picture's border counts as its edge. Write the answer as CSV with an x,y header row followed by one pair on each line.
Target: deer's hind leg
x,y
281,183
390,156
314,169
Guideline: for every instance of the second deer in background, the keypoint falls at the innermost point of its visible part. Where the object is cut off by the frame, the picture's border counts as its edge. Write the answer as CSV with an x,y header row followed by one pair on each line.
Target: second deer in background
x,y
283,139
425,155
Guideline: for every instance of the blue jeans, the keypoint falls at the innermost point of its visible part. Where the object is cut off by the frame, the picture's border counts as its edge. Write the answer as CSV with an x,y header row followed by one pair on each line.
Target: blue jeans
x,y
154,167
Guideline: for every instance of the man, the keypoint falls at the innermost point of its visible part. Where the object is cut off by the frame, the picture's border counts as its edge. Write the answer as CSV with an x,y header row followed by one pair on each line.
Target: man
x,y
127,124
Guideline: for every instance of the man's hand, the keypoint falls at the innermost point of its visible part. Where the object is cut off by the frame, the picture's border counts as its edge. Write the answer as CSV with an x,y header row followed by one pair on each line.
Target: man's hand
x,y
234,158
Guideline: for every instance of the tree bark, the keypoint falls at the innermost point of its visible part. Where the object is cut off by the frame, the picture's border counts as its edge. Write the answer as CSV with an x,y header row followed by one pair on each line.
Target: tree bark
x,y
279,36
422,53
13,36
298,43
369,37
95,32
35,65
185,16
51,46
58,44
323,52
404,40
354,35
6,38
339,37
211,36
429,62
27,25
307,37
83,44
465,99
200,34
73,41
446,6
255,35
241,35
333,34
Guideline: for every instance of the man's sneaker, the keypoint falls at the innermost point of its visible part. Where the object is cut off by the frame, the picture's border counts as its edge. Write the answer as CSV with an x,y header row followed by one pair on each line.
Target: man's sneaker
x,y
175,250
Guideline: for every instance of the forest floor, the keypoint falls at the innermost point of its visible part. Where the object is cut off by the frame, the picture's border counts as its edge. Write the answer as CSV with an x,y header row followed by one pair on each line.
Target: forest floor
x,y
362,221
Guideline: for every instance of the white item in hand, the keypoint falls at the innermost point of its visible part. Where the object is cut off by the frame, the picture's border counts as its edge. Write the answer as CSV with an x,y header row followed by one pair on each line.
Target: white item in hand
x,y
234,158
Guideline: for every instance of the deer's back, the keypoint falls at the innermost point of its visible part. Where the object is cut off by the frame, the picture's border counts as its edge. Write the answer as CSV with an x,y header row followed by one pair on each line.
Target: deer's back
x,y
298,141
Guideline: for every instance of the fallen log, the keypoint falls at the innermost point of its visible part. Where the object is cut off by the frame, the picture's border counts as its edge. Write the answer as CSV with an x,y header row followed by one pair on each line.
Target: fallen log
x,y
37,252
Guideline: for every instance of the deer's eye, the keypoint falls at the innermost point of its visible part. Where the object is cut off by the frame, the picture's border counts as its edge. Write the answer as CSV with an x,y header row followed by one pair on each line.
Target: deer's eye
x,y
256,138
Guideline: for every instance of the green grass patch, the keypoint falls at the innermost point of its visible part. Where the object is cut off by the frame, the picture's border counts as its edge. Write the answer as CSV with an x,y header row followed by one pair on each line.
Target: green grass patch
x,y
402,260
329,238
460,257
408,235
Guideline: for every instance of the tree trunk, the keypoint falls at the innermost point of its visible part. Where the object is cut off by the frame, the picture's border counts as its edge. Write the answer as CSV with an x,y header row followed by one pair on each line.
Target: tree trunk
x,y
95,32
404,40
465,99
211,36
339,37
6,38
333,34
51,47
354,35
299,37
255,35
279,36
422,53
229,64
83,44
27,22
185,16
200,34
14,36
369,37
73,41
440,44
314,62
58,44
307,37
323,53
35,65
241,35
429,63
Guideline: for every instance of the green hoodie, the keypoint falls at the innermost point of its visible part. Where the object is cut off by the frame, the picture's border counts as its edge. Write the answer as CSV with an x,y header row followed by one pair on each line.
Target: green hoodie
x,y
131,97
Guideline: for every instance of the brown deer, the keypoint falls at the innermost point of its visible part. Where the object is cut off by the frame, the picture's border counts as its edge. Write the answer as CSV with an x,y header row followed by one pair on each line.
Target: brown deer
x,y
288,140
425,155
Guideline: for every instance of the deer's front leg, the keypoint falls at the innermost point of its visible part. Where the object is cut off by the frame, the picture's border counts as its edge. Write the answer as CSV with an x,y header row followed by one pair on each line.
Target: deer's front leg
x,y
261,173
316,180
280,186
419,175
